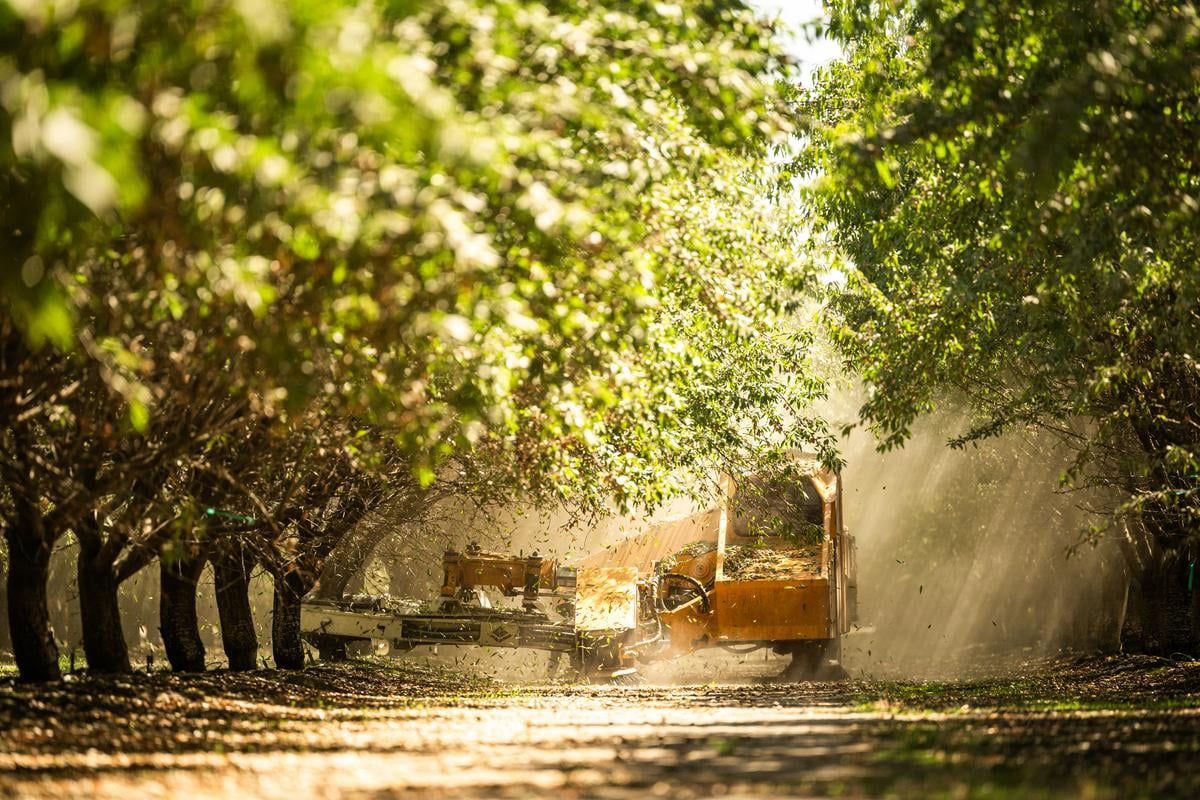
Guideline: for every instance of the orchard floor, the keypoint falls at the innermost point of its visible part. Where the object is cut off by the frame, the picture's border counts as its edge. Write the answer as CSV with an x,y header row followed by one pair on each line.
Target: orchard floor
x,y
1095,728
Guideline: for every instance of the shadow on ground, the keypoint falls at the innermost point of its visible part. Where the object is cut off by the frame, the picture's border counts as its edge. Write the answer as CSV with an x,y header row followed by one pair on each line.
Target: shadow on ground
x,y
1117,727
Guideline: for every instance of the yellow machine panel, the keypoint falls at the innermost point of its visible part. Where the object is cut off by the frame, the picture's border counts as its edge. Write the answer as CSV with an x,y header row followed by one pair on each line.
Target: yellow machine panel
x,y
770,610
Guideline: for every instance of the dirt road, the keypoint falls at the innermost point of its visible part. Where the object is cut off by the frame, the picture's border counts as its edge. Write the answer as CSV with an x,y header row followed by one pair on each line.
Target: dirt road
x,y
1097,729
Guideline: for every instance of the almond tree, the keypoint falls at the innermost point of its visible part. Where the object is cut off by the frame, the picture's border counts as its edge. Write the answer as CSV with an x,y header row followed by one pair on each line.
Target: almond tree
x,y
71,463
1014,190
530,225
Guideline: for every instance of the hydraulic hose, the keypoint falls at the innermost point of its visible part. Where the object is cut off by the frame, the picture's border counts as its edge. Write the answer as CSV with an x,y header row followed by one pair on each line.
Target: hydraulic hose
x,y
705,605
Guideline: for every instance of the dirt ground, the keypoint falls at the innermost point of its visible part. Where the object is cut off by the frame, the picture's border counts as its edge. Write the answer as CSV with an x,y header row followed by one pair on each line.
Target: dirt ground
x,y
1095,728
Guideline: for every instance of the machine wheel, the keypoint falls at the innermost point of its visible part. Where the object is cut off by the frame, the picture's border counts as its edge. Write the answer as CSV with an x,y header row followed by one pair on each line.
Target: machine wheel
x,y
597,658
331,648
814,660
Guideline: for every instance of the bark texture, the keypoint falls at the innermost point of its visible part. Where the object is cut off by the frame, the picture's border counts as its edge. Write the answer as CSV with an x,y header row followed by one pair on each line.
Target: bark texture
x,y
5,639
100,614
231,573
1162,614
286,645
178,623
34,648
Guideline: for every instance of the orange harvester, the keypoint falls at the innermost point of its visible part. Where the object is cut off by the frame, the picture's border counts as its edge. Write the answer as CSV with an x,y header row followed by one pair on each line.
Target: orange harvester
x,y
770,565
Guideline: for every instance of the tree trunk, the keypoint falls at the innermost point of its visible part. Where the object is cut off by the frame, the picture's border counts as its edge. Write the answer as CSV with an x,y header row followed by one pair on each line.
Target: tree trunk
x,y
177,614
1161,611
231,571
100,615
285,620
5,639
33,643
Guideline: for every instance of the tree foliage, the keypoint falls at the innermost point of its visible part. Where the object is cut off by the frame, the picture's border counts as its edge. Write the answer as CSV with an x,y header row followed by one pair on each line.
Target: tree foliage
x,y
425,213
1014,191
526,238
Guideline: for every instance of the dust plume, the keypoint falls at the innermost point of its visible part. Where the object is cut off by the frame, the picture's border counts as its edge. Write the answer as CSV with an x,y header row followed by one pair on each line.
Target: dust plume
x,y
963,565
411,566
970,561
967,558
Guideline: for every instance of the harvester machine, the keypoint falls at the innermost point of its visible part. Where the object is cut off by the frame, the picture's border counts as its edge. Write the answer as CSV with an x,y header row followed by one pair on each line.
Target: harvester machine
x,y
769,566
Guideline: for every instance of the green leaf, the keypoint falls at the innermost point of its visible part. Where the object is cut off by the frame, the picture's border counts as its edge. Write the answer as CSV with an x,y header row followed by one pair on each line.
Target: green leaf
x,y
425,476
139,416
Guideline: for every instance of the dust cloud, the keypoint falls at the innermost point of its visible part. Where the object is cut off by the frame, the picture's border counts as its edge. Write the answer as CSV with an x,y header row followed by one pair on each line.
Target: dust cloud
x,y
967,559
407,566
410,566
971,561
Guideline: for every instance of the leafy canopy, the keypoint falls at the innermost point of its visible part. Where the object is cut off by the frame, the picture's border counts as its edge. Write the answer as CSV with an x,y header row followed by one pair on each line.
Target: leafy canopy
x,y
532,223
1014,190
